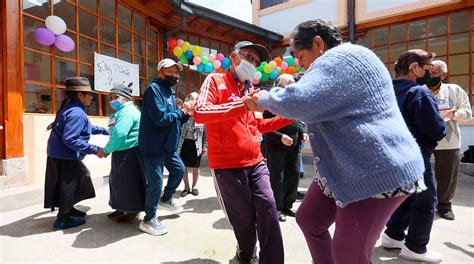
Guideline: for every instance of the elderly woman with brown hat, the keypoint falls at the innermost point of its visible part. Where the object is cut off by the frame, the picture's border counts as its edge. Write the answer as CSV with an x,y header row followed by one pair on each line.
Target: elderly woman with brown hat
x,y
126,180
67,178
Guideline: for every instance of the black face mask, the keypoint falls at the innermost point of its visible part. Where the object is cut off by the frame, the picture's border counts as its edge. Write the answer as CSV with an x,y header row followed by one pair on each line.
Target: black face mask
x,y
170,81
433,82
425,79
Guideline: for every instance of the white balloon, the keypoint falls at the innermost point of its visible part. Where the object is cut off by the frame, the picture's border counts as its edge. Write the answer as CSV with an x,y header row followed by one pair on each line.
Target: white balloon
x,y
217,64
56,25
278,69
257,75
273,63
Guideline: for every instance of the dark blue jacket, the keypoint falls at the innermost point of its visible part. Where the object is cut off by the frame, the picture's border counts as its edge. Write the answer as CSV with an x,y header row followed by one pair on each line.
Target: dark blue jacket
x,y
421,114
71,133
160,122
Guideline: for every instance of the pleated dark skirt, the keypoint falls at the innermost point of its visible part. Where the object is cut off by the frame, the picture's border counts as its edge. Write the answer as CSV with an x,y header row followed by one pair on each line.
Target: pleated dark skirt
x,y
67,183
127,181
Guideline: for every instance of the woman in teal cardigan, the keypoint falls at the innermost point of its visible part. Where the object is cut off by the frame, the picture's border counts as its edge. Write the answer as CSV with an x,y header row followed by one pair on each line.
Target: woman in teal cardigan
x,y
126,181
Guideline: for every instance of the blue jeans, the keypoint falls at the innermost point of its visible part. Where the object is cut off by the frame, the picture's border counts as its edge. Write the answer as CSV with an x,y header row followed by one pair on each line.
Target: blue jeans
x,y
417,214
153,170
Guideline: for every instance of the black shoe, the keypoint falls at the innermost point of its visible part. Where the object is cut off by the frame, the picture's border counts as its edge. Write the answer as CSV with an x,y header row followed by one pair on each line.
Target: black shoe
x,y
289,212
281,217
299,196
116,213
185,192
76,213
67,223
301,174
446,214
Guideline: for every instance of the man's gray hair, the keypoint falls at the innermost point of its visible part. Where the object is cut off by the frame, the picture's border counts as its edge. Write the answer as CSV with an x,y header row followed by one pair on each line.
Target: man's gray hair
x,y
442,65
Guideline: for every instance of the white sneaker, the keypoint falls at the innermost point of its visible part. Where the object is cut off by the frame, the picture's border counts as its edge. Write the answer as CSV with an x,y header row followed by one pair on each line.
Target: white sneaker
x,y
388,242
153,227
429,256
171,206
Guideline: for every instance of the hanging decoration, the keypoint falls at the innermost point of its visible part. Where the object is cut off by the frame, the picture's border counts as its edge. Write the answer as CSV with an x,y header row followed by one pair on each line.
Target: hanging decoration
x,y
54,34
192,55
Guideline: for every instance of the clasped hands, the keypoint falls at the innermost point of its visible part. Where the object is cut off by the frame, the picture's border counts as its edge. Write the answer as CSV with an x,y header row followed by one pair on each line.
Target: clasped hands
x,y
188,107
101,153
251,100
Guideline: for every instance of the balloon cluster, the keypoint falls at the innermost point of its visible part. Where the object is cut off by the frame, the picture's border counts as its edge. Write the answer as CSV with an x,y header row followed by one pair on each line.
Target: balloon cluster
x,y
276,67
54,34
192,55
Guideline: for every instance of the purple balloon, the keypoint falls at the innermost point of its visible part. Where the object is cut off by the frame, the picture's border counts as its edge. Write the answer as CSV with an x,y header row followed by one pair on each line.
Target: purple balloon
x,y
44,36
64,43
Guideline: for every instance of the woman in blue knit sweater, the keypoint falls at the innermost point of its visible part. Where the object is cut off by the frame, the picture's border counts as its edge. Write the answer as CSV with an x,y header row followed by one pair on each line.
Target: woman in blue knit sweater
x,y
367,159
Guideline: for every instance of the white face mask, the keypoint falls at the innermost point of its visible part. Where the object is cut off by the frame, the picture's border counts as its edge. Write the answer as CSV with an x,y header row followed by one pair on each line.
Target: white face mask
x,y
245,71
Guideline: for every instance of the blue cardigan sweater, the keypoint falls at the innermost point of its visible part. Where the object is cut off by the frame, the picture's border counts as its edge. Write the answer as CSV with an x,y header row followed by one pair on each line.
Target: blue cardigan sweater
x,y
69,137
361,144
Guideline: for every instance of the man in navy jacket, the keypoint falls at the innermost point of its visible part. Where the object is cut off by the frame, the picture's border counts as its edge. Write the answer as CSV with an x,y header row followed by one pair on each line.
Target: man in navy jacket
x,y
158,138
421,114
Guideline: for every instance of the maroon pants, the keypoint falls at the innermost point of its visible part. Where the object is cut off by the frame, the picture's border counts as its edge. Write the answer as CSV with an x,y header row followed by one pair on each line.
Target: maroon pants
x,y
247,199
358,226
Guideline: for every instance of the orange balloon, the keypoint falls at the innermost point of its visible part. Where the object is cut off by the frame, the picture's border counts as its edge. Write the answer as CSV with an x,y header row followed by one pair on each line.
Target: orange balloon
x,y
291,70
278,60
220,70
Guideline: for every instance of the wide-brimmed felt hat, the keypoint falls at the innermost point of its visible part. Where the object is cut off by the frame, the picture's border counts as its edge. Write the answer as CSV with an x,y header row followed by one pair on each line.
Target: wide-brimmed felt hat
x,y
263,52
78,84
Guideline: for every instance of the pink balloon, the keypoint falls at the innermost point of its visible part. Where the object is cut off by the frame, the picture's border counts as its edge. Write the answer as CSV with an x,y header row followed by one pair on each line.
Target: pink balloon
x,y
64,43
179,42
220,57
297,62
197,60
212,57
255,81
44,36
284,65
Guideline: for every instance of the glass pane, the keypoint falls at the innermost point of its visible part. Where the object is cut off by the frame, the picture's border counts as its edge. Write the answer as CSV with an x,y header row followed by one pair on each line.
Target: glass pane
x,y
417,44
152,51
125,56
391,70
141,65
442,58
87,72
29,26
152,70
194,83
417,29
139,24
107,50
459,43
67,12
152,34
139,48
71,54
37,98
87,24
89,4
93,109
143,85
398,33
87,48
60,96
39,8
225,49
437,45
366,40
459,22
64,69
37,67
124,16
382,53
462,80
458,64
396,50
107,110
437,26
107,32
107,9
381,36
125,39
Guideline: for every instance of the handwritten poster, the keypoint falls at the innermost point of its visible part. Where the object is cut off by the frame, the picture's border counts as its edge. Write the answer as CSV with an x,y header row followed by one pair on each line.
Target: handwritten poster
x,y
109,71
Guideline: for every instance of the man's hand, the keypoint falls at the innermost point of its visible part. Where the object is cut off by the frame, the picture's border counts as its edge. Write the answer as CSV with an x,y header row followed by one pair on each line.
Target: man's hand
x,y
305,137
251,101
448,114
286,140
101,153
188,107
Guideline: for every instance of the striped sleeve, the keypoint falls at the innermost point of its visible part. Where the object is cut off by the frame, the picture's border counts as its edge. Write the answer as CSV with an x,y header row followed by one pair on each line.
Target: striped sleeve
x,y
207,108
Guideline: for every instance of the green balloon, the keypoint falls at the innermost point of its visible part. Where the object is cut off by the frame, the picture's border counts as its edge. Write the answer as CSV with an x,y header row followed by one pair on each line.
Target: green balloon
x,y
263,64
298,69
265,77
204,59
290,61
260,68
183,59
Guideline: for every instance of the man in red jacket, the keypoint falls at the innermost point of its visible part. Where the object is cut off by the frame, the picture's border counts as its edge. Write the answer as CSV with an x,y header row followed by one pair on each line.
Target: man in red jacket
x,y
241,176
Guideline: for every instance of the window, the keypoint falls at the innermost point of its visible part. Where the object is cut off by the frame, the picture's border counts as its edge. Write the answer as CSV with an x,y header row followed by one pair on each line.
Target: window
x,y
104,26
270,3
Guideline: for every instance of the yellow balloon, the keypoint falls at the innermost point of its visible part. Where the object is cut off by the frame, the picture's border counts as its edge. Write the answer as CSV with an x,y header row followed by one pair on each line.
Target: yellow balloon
x,y
197,51
268,68
185,46
178,51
